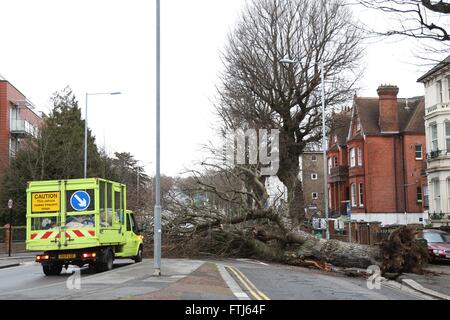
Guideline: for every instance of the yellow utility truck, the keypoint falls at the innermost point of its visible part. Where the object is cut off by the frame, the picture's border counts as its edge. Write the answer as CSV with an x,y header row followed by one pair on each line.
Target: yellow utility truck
x,y
81,222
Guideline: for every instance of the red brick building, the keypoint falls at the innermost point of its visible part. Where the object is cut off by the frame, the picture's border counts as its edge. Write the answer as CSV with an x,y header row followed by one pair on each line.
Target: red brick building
x,y
337,155
18,121
379,167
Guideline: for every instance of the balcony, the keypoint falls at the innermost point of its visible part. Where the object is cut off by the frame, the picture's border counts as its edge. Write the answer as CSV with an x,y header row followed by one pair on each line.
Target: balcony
x,y
438,154
438,107
22,128
338,174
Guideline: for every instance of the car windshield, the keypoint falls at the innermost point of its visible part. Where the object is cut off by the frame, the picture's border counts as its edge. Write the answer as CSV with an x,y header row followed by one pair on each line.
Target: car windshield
x,y
437,237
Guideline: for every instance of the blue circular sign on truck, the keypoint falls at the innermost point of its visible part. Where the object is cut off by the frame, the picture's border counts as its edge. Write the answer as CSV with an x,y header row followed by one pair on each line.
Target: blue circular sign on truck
x,y
80,200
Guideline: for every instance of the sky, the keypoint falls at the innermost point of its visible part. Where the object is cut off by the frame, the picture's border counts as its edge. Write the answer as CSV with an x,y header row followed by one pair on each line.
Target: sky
x,y
109,45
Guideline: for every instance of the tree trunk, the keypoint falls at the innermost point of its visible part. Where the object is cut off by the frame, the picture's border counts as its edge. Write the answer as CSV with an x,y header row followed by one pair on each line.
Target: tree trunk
x,y
401,252
288,174
298,246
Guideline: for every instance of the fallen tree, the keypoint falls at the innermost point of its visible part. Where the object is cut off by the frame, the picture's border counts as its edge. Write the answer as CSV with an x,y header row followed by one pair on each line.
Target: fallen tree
x,y
228,224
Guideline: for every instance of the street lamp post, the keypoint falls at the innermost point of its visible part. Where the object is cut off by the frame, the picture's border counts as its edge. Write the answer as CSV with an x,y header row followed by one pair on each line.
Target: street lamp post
x,y
157,210
86,124
10,205
137,187
324,145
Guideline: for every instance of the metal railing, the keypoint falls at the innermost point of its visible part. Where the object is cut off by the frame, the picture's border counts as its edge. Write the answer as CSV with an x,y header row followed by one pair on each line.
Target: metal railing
x,y
437,153
339,171
18,239
22,127
439,216
436,107
434,154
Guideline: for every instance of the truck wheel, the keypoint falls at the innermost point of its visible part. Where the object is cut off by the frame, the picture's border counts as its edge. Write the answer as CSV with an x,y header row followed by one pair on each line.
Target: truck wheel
x,y
107,262
52,269
138,257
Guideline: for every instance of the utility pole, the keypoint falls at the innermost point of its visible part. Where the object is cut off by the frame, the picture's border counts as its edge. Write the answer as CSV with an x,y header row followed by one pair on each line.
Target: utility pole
x,y
324,147
157,211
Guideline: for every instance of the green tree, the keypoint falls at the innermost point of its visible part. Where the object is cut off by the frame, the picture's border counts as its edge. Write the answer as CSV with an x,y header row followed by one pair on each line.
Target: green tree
x,y
56,153
62,141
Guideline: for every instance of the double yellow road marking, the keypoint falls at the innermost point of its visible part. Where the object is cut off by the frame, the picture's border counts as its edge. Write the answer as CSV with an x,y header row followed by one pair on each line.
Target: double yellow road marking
x,y
257,294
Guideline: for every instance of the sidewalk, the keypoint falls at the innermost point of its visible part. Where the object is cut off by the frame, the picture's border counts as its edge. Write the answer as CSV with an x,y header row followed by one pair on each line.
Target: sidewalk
x,y
438,279
16,259
205,283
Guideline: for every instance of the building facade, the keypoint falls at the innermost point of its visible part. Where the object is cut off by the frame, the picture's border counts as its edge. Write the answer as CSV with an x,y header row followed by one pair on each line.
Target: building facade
x,y
311,163
337,163
18,121
380,165
437,125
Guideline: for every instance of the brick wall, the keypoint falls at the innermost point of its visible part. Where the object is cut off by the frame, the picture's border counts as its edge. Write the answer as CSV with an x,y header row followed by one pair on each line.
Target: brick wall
x,y
9,93
413,170
5,95
380,174
388,108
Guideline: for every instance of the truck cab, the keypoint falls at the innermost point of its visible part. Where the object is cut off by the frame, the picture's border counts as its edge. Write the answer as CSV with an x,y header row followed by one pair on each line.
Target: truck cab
x,y
80,222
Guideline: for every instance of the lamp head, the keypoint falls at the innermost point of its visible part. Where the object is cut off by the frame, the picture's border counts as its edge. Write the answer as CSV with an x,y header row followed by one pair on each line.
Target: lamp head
x,y
288,61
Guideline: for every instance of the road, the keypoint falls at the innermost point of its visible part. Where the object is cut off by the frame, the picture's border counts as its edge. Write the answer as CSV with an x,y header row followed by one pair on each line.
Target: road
x,y
280,282
189,279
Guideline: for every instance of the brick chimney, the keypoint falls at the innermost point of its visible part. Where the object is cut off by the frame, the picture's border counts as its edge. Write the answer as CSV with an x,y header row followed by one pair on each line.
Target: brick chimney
x,y
388,108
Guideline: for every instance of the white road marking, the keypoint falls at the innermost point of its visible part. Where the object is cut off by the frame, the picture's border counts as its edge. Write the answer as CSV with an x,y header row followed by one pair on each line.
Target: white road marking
x,y
231,283
252,261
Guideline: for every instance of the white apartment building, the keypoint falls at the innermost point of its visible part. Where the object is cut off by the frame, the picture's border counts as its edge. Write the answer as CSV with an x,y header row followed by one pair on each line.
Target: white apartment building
x,y
437,128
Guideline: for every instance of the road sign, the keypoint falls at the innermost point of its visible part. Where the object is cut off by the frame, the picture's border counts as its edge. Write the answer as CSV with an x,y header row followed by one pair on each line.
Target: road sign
x,y
45,202
80,200
10,204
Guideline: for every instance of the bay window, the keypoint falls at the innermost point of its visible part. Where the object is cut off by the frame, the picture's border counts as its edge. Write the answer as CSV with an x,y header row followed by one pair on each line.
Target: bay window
x,y
352,157
353,194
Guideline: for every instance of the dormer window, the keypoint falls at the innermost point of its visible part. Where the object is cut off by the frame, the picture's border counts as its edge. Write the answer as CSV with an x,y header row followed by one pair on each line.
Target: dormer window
x,y
358,125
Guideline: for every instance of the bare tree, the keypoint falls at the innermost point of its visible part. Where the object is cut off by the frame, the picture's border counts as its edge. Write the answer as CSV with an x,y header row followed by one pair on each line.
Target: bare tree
x,y
258,91
421,19
424,20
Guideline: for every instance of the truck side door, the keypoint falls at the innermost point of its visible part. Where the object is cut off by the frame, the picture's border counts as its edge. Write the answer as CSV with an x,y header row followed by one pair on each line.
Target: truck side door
x,y
131,235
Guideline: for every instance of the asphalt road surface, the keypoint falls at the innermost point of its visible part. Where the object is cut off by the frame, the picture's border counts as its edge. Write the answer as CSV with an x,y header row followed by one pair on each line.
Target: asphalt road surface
x,y
280,282
127,280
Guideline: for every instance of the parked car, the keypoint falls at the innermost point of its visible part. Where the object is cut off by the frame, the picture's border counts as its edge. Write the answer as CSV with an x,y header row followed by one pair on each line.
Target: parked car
x,y
438,244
